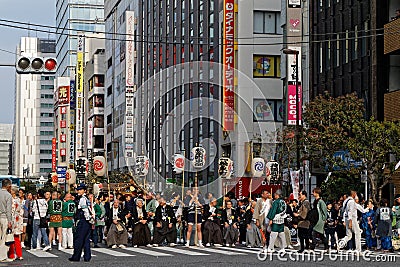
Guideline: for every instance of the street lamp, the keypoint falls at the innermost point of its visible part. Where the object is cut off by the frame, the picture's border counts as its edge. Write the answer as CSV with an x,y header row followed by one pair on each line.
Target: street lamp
x,y
296,53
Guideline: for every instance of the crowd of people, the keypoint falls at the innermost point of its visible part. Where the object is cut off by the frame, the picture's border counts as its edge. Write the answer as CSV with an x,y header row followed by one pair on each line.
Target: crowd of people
x,y
74,221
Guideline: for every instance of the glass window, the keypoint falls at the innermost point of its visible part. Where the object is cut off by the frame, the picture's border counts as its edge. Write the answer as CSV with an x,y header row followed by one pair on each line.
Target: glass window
x,y
267,22
266,66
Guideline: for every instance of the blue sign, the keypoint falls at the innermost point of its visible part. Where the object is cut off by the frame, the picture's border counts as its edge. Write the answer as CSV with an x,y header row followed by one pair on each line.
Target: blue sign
x,y
344,159
61,175
61,170
72,94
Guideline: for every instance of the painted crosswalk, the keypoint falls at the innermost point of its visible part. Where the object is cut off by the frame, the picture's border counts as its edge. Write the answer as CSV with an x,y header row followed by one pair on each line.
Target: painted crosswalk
x,y
165,251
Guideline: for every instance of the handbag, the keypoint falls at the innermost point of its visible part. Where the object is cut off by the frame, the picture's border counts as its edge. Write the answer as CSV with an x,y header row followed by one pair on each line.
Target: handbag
x,y
9,237
42,220
120,228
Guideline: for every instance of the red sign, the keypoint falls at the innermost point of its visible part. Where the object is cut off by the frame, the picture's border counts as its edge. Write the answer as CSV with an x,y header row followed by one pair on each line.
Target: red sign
x,y
63,138
63,124
291,104
54,178
63,95
63,152
63,110
229,65
53,154
241,186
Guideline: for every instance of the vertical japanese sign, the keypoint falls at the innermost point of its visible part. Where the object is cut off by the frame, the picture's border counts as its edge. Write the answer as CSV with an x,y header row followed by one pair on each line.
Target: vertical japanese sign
x,y
291,63
129,80
229,65
72,104
292,106
53,154
79,95
130,83
90,134
63,95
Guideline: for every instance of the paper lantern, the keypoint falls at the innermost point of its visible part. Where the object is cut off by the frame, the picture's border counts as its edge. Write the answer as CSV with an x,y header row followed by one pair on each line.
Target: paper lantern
x,y
179,163
225,167
142,165
96,189
99,165
54,179
71,176
198,157
257,167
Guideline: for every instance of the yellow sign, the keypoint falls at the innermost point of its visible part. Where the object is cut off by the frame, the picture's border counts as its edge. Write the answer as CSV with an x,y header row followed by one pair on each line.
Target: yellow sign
x,y
79,72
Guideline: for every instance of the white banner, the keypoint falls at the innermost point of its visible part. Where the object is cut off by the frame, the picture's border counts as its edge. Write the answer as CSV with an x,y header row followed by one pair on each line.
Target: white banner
x,y
295,180
291,63
90,135
129,48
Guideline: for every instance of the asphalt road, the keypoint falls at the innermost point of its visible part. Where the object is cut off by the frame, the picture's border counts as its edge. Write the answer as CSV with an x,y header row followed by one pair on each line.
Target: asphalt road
x,y
194,256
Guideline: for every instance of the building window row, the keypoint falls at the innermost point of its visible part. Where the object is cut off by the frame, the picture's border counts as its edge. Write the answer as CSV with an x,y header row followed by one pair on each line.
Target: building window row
x,y
267,22
47,78
46,96
46,105
51,133
45,151
47,87
46,115
46,124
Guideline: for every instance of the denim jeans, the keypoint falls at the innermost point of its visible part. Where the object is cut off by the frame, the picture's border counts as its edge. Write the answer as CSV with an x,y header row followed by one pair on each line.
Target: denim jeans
x,y
36,230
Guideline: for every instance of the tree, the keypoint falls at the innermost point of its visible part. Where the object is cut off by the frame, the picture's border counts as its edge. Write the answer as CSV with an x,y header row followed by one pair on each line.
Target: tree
x,y
286,150
328,125
376,143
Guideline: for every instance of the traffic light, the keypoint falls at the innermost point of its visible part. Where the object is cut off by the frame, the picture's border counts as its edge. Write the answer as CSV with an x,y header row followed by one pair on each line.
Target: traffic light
x,y
36,65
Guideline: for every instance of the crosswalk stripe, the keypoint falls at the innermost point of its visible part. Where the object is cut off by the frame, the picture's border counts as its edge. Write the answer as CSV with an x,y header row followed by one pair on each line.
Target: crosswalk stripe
x,y
112,252
148,252
181,251
241,250
216,250
42,254
71,251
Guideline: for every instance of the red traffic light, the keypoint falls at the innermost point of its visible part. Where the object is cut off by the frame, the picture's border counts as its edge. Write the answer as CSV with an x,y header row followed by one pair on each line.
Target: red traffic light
x,y
36,65
50,64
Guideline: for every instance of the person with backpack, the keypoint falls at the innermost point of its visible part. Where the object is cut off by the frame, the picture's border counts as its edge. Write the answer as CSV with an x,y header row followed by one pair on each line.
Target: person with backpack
x,y
383,220
350,220
319,227
303,225
276,216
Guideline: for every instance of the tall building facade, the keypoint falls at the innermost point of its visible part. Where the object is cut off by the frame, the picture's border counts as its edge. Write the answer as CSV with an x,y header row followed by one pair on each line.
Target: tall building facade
x,y
259,89
34,111
347,50
6,140
73,16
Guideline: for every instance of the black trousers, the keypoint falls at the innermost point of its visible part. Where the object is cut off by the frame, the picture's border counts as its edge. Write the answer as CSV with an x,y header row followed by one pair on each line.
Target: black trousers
x,y
164,232
316,235
304,237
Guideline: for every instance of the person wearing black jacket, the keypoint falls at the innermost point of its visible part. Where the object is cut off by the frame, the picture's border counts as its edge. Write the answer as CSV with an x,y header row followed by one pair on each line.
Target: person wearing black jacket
x,y
230,220
117,234
141,232
212,231
241,212
164,224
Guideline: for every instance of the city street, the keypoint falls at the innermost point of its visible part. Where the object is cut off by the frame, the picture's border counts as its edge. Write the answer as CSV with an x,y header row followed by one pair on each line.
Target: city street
x,y
194,256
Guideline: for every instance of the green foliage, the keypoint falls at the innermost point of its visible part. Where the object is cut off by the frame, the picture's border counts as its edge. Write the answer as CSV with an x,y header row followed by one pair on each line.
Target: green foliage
x,y
334,124
341,182
329,123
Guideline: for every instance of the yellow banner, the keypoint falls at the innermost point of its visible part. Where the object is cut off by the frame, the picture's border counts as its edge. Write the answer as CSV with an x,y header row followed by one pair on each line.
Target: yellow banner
x,y
79,72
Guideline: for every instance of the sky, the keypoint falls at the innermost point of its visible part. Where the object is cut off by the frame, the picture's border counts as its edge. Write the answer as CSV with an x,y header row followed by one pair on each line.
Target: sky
x,y
32,11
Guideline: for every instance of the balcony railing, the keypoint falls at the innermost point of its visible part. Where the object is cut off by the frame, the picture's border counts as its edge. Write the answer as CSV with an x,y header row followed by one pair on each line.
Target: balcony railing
x,y
392,36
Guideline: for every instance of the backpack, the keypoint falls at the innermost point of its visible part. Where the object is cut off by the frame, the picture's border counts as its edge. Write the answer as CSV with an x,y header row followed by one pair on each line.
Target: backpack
x,y
312,215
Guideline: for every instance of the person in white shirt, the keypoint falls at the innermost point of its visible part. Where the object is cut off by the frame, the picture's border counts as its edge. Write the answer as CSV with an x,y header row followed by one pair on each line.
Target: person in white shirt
x,y
351,222
39,210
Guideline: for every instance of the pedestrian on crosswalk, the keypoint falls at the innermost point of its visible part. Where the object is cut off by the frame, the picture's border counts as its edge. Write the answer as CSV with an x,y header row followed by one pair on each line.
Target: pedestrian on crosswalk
x,y
83,227
68,212
276,216
39,210
5,217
